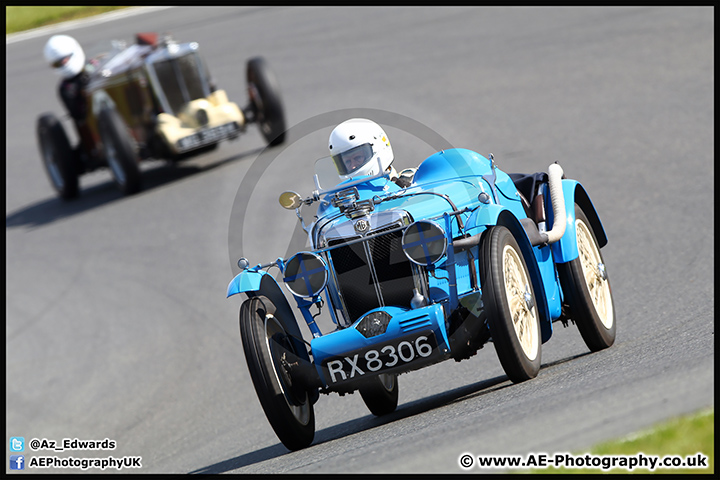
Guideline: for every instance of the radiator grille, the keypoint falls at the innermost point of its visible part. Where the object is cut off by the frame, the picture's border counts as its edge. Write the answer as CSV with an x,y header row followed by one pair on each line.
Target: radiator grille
x,y
359,265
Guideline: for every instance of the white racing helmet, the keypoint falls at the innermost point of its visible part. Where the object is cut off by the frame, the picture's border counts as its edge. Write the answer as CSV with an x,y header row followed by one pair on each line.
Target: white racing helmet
x,y
356,145
65,55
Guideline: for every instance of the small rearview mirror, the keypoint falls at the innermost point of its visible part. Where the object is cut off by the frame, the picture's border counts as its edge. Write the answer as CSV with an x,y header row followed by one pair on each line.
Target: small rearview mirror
x,y
290,200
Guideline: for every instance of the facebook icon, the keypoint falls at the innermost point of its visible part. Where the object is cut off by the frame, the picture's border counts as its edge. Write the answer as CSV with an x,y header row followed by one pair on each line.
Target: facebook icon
x,y
17,462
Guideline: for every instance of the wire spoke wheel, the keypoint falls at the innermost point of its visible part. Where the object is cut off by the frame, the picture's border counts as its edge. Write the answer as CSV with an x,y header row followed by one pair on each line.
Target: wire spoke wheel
x,y
266,101
509,300
111,155
269,352
60,161
120,151
279,350
595,275
587,290
517,289
49,154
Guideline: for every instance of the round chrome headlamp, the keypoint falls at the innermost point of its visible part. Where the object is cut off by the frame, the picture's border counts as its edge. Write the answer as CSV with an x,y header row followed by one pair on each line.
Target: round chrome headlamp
x,y
424,242
305,274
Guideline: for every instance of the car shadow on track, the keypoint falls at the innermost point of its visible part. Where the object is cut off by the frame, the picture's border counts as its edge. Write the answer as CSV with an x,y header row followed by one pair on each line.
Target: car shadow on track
x,y
159,173
361,424
369,422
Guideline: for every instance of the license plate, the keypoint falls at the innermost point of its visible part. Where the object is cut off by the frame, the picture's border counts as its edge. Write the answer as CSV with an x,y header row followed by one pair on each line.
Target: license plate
x,y
204,137
401,352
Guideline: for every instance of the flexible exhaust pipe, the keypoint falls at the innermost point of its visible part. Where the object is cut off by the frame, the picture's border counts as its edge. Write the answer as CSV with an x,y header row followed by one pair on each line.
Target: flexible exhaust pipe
x,y
555,173
537,238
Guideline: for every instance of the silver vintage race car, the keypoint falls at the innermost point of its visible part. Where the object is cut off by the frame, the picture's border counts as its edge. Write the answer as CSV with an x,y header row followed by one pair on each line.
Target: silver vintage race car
x,y
154,99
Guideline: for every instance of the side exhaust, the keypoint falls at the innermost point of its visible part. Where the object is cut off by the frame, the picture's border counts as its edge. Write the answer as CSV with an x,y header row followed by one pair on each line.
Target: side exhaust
x,y
555,173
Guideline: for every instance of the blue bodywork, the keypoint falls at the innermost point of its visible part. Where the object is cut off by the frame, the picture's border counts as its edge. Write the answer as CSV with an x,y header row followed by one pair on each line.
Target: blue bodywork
x,y
463,194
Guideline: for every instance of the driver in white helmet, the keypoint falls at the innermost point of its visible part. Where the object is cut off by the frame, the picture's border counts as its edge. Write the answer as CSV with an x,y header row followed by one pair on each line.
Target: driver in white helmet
x,y
67,59
357,144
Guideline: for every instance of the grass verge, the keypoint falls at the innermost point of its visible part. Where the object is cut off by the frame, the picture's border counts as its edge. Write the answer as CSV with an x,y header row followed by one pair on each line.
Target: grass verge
x,y
681,437
18,19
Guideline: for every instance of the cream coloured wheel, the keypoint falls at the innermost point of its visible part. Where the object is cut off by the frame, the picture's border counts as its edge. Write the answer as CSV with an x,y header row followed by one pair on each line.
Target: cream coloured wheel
x,y
520,302
510,304
595,274
586,288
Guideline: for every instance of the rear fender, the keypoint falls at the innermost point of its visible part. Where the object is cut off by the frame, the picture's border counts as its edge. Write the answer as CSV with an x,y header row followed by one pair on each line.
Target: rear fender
x,y
565,249
583,199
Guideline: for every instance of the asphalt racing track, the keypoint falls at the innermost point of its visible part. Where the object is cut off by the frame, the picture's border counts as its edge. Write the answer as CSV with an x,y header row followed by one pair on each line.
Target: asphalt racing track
x,y
117,322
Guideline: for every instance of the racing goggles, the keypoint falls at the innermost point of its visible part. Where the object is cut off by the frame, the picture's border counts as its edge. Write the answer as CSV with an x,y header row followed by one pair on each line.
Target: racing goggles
x,y
59,63
350,160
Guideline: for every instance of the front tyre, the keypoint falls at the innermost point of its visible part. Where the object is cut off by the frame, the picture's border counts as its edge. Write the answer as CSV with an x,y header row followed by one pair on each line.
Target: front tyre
x,y
380,394
587,288
265,101
266,345
511,306
60,161
120,151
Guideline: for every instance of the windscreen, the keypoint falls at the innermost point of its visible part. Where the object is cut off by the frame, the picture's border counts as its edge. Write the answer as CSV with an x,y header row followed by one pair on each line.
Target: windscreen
x,y
181,80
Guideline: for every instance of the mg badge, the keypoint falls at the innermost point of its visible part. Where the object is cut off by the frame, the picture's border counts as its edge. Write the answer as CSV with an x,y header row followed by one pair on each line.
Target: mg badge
x,y
361,226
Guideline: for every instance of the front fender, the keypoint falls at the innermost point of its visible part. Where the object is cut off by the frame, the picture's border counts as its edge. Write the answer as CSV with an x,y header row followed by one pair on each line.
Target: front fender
x,y
483,217
493,214
544,285
245,281
255,283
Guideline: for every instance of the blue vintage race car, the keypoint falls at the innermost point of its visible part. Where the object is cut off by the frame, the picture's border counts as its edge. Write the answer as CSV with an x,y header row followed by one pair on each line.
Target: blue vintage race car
x,y
466,254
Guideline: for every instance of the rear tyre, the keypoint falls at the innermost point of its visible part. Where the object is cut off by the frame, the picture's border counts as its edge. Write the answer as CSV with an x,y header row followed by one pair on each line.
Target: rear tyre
x,y
380,394
266,344
511,305
61,163
265,101
120,151
587,288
